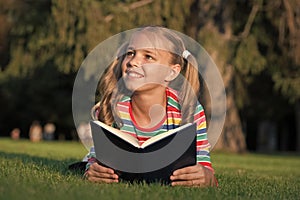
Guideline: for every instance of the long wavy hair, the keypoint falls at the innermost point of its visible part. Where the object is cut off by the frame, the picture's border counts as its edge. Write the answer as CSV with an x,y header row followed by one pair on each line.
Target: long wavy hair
x,y
111,86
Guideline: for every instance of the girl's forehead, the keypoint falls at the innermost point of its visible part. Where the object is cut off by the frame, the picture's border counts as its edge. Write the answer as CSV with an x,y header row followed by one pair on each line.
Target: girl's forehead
x,y
146,40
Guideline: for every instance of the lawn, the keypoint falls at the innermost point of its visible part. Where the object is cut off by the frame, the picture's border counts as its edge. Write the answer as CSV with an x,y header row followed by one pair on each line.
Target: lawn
x,y
39,171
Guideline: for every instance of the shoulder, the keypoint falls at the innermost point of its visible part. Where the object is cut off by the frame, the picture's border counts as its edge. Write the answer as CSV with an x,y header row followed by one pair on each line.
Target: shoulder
x,y
173,100
199,108
199,115
171,93
125,99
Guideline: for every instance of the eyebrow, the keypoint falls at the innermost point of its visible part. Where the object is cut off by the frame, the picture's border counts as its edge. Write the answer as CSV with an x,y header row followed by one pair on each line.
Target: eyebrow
x,y
152,50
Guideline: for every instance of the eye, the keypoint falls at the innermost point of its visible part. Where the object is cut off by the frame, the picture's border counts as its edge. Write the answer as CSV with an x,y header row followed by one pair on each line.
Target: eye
x,y
149,57
130,53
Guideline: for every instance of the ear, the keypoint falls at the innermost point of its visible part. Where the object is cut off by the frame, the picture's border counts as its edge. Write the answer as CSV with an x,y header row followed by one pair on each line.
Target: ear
x,y
175,70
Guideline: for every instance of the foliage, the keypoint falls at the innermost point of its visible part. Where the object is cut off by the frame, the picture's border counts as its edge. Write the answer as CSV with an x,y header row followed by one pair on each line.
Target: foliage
x,y
49,39
39,170
43,43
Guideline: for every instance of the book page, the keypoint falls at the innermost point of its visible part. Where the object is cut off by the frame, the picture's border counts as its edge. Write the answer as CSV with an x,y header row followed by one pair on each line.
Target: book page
x,y
125,136
163,135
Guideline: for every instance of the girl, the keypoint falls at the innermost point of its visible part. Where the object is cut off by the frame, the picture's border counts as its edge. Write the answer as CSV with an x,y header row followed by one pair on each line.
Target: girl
x,y
149,89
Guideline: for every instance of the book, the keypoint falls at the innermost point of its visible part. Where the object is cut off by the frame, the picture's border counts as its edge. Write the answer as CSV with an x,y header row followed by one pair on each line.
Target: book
x,y
153,161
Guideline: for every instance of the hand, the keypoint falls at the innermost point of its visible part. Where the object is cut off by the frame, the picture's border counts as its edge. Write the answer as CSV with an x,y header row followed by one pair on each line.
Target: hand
x,y
197,176
98,173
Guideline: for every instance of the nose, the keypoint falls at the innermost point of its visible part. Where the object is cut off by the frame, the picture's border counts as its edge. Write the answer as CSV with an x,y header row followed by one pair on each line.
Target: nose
x,y
135,61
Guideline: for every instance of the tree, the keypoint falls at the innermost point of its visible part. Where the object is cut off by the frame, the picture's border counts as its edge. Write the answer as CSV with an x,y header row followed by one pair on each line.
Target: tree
x,y
43,43
240,37
285,70
211,24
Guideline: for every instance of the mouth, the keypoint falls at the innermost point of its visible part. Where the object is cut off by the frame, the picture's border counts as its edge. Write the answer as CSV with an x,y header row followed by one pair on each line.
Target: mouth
x,y
133,74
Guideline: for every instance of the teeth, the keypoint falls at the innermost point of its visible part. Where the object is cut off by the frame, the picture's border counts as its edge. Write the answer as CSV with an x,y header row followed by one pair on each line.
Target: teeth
x,y
134,75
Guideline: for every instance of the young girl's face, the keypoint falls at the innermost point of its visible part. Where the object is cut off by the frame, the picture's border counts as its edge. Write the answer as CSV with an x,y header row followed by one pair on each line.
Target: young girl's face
x,y
145,66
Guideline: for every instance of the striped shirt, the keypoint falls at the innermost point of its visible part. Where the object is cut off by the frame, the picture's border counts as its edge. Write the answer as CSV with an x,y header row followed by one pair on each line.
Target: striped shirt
x,y
170,121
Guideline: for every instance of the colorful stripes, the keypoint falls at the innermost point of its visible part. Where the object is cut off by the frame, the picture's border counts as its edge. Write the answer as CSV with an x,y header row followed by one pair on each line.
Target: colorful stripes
x,y
173,120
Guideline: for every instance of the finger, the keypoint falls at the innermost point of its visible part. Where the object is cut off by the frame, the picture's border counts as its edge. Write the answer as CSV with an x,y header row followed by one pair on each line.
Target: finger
x,y
101,177
187,177
104,175
188,170
97,174
99,168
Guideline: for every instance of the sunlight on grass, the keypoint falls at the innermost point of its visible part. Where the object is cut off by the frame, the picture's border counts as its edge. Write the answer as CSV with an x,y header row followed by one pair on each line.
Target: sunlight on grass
x,y
39,171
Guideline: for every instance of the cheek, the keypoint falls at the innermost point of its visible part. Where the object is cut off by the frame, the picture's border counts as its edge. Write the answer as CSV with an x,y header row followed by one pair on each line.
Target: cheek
x,y
157,73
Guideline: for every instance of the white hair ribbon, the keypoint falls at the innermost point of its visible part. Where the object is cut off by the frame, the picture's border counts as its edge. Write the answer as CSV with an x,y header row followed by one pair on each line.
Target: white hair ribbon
x,y
186,54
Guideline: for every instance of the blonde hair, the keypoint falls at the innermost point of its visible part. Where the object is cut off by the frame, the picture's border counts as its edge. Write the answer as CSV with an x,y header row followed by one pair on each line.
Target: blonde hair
x,y
111,86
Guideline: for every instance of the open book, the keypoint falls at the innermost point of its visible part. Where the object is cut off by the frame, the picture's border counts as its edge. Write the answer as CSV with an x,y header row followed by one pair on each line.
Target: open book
x,y
134,141
154,160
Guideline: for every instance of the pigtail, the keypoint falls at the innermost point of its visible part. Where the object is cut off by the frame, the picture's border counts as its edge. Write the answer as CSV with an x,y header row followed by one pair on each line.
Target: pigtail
x,y
190,89
102,111
188,85
110,92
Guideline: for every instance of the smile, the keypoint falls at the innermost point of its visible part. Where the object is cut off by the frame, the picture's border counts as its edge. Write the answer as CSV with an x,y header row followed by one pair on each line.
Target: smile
x,y
134,74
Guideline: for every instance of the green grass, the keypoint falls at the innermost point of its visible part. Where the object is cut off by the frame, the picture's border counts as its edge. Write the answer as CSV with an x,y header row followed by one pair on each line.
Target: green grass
x,y
39,171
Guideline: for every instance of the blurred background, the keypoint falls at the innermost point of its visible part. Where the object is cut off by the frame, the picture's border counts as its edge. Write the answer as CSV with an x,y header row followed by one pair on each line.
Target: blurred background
x,y
255,44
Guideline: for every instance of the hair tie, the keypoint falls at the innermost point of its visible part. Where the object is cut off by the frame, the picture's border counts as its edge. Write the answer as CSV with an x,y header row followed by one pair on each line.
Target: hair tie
x,y
186,54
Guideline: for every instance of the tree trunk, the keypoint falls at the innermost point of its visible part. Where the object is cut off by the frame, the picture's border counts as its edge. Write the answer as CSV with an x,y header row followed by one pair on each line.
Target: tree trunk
x,y
232,138
207,30
297,117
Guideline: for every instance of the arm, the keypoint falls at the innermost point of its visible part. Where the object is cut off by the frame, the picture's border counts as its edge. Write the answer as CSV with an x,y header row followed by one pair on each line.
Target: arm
x,y
97,173
196,176
201,174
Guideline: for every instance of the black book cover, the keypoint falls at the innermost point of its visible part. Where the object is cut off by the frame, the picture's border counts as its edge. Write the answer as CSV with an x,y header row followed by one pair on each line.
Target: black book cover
x,y
153,163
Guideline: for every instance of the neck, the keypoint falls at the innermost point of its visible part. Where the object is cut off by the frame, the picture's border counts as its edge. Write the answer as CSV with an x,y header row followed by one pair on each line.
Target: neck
x,y
149,108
